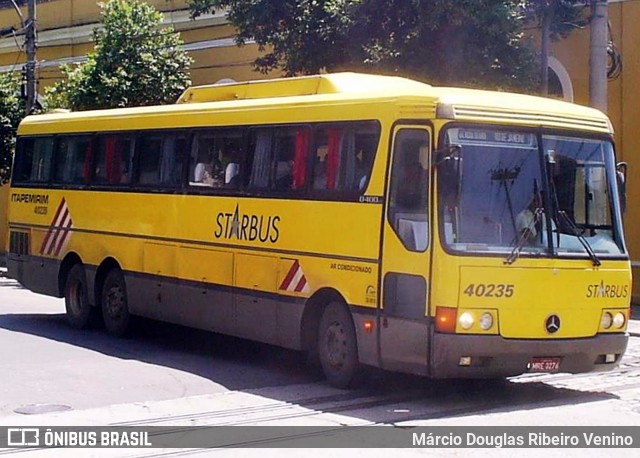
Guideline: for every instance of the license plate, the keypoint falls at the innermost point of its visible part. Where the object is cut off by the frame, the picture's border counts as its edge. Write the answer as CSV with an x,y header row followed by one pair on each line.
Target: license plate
x,y
544,365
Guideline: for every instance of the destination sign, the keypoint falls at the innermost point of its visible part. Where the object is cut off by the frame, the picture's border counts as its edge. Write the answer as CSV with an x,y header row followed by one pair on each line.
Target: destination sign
x,y
493,137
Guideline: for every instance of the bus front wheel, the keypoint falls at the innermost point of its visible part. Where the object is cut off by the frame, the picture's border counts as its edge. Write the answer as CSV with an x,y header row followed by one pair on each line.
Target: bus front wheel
x,y
115,308
76,299
337,346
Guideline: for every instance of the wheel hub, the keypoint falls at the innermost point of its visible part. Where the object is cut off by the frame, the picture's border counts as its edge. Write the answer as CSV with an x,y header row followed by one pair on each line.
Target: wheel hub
x,y
115,302
75,298
336,345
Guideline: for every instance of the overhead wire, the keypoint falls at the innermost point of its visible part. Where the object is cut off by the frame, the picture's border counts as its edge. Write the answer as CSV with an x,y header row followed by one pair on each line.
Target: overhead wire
x,y
614,64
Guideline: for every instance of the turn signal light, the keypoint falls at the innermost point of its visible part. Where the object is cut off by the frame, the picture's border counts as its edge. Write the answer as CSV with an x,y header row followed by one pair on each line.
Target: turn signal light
x,y
446,319
368,326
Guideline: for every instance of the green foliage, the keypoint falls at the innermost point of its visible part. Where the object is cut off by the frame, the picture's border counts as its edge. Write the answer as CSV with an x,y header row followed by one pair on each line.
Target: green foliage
x,y
466,42
12,110
564,15
135,63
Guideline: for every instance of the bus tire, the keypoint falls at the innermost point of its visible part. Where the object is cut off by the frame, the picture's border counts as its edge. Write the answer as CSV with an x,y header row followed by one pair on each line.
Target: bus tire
x,y
115,307
338,346
76,298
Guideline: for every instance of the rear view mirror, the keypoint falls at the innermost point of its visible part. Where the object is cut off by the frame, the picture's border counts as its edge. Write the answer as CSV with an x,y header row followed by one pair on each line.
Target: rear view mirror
x,y
621,176
448,163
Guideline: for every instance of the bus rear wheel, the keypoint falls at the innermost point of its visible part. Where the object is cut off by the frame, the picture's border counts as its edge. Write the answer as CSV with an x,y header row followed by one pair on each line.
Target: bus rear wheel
x,y
338,347
76,299
115,307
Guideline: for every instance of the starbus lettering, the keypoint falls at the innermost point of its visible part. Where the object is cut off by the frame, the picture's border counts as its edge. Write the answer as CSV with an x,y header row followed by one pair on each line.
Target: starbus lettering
x,y
604,290
42,199
247,227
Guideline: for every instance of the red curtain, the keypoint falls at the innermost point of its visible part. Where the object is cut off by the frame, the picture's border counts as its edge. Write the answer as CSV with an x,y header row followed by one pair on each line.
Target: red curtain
x,y
300,158
88,159
109,147
333,157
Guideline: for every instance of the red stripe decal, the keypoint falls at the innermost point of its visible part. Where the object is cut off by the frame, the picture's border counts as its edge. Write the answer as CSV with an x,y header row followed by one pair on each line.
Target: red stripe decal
x,y
292,272
53,223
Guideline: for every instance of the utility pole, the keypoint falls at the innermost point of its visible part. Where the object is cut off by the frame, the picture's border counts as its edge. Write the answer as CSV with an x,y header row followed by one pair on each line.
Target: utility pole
x,y
30,66
598,55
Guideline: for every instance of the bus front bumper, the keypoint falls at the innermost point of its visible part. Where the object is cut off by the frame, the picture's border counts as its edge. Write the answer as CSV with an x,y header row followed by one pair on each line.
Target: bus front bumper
x,y
473,356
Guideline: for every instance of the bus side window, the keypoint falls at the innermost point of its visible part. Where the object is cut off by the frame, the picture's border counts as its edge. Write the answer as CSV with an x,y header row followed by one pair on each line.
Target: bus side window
x,y
34,160
112,163
74,154
217,159
173,154
344,156
291,146
279,160
409,188
160,159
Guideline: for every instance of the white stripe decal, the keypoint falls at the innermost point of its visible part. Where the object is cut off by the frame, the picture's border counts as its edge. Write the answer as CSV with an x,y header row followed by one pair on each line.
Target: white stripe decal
x,y
59,232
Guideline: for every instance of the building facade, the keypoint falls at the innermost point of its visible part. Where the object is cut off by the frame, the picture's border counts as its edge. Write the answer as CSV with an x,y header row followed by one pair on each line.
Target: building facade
x,y
65,33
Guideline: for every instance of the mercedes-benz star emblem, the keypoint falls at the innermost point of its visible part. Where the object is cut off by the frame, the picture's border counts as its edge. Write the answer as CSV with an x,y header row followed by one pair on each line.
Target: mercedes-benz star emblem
x,y
552,324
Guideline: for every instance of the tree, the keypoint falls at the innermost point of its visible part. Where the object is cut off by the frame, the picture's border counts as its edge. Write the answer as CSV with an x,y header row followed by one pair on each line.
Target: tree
x,y
556,19
135,63
12,110
470,42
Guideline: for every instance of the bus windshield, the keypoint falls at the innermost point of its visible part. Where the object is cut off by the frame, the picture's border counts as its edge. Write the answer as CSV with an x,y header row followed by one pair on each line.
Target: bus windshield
x,y
542,195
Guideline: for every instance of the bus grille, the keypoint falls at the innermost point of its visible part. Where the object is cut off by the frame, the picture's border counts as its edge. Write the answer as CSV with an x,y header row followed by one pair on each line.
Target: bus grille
x,y
19,242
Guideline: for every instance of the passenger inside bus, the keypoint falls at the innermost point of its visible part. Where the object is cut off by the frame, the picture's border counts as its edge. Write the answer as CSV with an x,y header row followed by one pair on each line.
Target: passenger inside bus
x,y
527,223
203,174
232,177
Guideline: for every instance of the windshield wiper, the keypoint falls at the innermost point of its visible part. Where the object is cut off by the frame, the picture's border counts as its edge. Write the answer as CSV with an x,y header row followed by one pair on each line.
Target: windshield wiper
x,y
525,234
581,238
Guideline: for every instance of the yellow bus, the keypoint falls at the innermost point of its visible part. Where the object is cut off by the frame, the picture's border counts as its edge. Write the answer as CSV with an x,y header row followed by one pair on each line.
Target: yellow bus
x,y
366,220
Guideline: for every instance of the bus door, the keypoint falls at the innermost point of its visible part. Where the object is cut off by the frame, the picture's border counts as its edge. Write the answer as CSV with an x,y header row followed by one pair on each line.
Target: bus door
x,y
406,253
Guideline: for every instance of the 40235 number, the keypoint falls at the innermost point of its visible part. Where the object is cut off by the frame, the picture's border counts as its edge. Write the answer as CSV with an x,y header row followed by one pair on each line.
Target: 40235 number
x,y
489,290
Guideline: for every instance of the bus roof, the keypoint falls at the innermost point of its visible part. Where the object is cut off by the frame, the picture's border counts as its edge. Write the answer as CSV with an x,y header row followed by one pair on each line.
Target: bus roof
x,y
452,103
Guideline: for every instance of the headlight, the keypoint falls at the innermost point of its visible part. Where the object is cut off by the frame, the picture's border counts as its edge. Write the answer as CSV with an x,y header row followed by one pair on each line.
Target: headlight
x,y
606,320
466,320
486,321
619,320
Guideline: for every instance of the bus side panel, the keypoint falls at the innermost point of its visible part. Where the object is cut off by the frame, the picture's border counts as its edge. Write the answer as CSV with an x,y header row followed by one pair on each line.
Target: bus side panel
x,y
188,303
35,273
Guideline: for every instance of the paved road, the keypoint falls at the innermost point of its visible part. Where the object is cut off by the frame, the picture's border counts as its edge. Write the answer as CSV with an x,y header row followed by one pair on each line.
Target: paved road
x,y
43,361
174,376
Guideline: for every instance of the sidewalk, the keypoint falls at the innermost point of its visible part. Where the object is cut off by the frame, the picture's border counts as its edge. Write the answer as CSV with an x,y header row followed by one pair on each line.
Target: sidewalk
x,y
634,321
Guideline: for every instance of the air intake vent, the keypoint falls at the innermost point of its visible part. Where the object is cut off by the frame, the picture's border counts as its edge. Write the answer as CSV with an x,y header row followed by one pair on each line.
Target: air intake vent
x,y
19,242
599,124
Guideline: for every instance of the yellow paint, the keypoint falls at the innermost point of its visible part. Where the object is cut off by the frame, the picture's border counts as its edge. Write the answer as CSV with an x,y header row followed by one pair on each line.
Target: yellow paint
x,y
195,264
337,244
256,272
